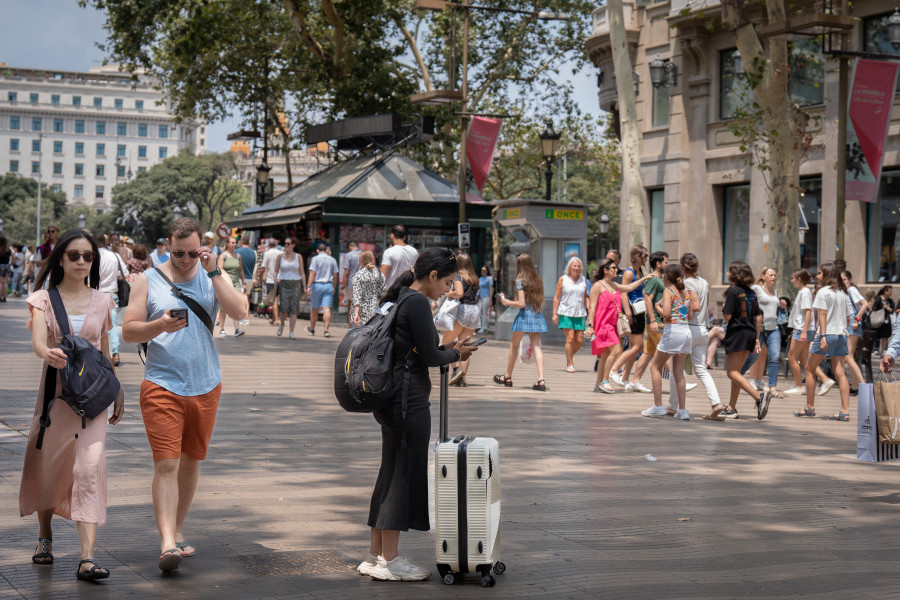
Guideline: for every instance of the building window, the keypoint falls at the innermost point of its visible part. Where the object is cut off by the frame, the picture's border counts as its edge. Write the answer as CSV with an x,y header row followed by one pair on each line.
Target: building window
x,y
57,147
876,38
661,106
79,126
36,145
737,225
142,170
12,96
13,166
36,124
811,205
117,103
101,149
101,170
57,187
14,122
35,167
98,102
203,130
807,77
79,147
735,93
57,125
142,151
33,98
163,151
79,169
657,219
202,142
883,223
76,100
139,105
79,191
120,170
14,144
57,168
163,131
101,127
142,130
54,99
120,150
121,129
98,191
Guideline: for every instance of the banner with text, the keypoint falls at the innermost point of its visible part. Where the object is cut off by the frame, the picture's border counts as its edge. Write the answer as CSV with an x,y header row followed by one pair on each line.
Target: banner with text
x,y
871,100
480,144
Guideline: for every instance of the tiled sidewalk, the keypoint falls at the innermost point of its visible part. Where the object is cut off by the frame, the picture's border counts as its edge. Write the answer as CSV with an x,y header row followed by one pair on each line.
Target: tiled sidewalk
x,y
773,509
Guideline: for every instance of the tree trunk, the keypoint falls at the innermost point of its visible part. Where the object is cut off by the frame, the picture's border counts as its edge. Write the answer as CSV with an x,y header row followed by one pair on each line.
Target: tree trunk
x,y
632,193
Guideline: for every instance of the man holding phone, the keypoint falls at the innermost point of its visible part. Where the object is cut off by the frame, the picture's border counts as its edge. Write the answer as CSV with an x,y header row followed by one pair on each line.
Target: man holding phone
x,y
182,383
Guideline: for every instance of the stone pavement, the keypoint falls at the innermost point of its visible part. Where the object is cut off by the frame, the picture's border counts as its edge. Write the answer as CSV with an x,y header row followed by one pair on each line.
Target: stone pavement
x,y
773,509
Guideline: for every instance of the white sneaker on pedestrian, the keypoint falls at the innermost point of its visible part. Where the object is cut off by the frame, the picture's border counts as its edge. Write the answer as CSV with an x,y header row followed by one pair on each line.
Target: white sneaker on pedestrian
x,y
689,386
280,330
640,387
616,379
292,336
222,333
683,415
398,569
367,566
826,385
654,411
797,389
456,376
629,387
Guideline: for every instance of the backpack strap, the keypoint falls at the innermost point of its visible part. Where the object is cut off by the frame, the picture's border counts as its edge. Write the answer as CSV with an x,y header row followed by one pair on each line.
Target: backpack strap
x,y
192,304
59,311
62,319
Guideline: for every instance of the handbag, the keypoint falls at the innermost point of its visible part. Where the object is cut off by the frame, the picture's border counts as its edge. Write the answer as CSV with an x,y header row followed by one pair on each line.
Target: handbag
x,y
876,318
446,315
622,326
638,307
123,288
270,297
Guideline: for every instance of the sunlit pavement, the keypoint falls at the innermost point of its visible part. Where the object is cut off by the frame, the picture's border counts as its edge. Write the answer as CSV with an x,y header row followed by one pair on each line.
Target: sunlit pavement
x,y
774,509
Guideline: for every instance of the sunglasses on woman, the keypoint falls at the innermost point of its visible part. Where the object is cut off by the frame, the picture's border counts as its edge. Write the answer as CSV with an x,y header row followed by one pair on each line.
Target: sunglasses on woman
x,y
181,253
74,255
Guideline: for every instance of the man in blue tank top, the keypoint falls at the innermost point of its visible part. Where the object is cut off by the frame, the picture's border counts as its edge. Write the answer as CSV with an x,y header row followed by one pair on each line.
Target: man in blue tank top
x,y
182,384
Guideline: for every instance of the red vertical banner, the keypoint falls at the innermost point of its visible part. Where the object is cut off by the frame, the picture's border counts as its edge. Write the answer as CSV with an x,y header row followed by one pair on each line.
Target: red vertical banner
x,y
871,100
480,144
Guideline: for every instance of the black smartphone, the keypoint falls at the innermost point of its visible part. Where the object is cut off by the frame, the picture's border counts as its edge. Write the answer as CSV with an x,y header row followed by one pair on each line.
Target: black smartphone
x,y
179,313
477,342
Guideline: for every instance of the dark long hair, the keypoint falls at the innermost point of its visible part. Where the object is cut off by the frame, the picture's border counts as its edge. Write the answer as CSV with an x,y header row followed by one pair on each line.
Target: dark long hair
x,y
53,268
433,259
831,277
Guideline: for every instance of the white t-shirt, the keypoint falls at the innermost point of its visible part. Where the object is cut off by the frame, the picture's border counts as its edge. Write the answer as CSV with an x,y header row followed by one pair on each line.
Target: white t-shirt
x,y
109,270
399,258
699,286
270,259
769,306
854,298
834,303
802,302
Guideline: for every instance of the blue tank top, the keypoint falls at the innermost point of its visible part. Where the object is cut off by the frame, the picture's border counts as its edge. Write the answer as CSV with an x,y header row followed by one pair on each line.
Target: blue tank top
x,y
184,362
638,294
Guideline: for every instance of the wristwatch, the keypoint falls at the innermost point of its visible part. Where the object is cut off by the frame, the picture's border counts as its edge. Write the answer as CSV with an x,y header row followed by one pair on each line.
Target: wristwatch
x,y
212,274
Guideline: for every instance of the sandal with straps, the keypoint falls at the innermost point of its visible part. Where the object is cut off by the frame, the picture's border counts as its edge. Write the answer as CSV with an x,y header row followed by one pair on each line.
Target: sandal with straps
x,y
44,557
96,572
540,386
503,380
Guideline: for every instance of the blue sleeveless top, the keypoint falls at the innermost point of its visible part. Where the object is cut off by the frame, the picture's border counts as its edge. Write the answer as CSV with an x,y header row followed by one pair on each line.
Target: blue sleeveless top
x,y
637,294
184,362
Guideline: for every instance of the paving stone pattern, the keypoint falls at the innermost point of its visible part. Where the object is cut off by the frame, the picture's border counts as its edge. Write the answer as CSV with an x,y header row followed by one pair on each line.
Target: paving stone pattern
x,y
772,509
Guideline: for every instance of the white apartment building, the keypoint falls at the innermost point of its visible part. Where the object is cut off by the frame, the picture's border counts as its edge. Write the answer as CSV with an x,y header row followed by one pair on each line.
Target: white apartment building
x,y
84,132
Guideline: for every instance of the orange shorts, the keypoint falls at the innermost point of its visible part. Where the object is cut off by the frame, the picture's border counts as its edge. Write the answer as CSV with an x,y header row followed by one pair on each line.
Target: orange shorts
x,y
176,424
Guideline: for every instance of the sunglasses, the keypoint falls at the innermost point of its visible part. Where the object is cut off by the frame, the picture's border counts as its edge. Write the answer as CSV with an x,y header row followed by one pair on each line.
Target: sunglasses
x,y
53,231
74,255
181,253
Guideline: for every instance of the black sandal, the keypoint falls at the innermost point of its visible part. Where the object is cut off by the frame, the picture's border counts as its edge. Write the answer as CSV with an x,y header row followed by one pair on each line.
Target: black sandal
x,y
96,572
540,386
41,558
503,380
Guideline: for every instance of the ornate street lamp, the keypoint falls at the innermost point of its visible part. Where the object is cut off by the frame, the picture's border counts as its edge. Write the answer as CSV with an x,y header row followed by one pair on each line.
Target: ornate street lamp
x,y
663,72
176,212
262,182
604,229
739,70
549,146
82,221
893,25
2,223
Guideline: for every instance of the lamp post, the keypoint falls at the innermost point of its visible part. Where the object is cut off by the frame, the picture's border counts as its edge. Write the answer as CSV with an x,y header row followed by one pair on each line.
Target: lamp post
x,y
176,213
82,221
663,73
2,223
549,146
604,229
262,181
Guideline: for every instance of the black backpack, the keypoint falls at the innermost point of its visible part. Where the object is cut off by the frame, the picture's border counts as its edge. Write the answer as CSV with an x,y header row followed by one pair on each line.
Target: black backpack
x,y
89,384
364,365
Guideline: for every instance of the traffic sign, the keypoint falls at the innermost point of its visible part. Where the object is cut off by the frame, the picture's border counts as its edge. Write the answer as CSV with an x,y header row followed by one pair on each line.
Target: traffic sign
x,y
223,231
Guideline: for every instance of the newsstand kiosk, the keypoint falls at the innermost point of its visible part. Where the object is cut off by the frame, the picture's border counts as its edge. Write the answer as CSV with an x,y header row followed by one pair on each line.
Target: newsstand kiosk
x,y
551,233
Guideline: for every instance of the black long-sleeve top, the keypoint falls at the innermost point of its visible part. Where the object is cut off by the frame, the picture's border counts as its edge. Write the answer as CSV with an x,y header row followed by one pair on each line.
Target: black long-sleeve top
x,y
414,328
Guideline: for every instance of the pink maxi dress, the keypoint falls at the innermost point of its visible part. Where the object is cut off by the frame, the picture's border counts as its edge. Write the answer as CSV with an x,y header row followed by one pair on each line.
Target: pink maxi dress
x,y
609,304
68,474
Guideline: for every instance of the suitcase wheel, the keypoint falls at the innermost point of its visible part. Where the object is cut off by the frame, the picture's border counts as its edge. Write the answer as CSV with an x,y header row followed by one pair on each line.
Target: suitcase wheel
x,y
488,581
499,568
450,578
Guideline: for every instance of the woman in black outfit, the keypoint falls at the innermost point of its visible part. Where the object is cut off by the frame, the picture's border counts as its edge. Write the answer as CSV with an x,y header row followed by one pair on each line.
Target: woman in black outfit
x,y
400,499
884,302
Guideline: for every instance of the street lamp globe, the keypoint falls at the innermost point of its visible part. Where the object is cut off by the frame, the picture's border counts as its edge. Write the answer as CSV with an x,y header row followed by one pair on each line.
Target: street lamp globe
x,y
82,221
893,25
2,223
549,142
262,173
176,213
739,69
604,224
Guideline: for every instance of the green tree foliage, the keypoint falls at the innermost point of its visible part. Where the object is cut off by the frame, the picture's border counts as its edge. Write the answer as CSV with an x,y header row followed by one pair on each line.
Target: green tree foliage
x,y
18,207
202,186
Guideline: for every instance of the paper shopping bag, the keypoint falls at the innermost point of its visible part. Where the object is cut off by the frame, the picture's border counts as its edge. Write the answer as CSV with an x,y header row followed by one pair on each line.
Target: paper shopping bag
x,y
887,411
868,448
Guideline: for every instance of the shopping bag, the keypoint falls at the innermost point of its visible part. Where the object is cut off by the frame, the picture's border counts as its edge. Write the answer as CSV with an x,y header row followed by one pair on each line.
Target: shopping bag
x,y
525,350
868,448
270,297
887,410
446,315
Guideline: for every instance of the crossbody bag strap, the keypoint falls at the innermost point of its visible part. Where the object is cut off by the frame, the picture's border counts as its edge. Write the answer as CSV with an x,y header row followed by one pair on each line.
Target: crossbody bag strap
x,y
62,319
192,304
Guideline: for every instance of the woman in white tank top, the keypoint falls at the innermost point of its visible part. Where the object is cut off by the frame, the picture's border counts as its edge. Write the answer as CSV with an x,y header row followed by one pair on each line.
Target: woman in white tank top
x,y
570,309
291,280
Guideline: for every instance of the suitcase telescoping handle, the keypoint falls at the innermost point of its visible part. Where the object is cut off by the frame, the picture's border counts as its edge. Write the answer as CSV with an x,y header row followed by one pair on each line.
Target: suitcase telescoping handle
x,y
445,386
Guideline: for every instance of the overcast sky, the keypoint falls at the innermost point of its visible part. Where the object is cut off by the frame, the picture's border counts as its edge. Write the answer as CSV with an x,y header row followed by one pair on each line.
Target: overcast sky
x,y
57,34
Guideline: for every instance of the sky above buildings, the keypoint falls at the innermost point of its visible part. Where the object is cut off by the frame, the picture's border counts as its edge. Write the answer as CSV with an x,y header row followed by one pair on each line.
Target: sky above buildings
x,y
58,34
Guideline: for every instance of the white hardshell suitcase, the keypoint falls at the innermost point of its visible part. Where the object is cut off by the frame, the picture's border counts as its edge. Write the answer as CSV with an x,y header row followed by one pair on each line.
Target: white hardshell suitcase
x,y
467,503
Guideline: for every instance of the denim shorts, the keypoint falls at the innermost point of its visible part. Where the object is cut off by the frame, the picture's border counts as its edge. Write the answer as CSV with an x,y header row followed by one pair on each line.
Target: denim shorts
x,y
837,346
322,294
810,335
855,329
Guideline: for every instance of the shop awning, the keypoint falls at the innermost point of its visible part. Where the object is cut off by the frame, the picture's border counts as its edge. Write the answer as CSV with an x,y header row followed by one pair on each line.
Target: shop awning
x,y
284,216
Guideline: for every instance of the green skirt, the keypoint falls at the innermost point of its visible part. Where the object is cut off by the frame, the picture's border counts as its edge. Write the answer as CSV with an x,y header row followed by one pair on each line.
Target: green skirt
x,y
576,323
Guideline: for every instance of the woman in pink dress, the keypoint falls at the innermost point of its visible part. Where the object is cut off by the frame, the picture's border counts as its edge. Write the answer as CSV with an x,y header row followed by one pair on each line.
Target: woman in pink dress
x,y
604,306
67,476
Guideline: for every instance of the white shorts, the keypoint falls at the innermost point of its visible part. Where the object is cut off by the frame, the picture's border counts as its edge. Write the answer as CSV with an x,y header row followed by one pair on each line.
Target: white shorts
x,y
676,339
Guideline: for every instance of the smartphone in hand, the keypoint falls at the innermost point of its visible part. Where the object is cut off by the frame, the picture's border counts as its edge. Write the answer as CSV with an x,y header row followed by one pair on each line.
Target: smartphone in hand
x,y
179,313
477,342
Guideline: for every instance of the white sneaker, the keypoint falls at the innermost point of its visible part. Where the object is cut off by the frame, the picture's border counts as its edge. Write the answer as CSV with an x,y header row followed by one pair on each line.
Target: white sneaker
x,y
292,336
280,330
640,387
798,389
654,411
826,385
683,414
398,569
222,333
689,386
629,387
616,379
367,566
